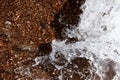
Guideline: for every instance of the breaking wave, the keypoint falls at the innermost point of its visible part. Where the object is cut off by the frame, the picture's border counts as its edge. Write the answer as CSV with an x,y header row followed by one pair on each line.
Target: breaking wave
x,y
98,39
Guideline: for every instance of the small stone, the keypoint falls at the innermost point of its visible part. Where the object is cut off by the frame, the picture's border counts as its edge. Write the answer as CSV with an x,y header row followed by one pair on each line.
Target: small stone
x,y
8,23
44,49
43,26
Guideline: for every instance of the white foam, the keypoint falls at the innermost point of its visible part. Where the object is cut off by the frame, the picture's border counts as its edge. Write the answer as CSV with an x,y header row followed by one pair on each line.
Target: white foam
x,y
100,28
